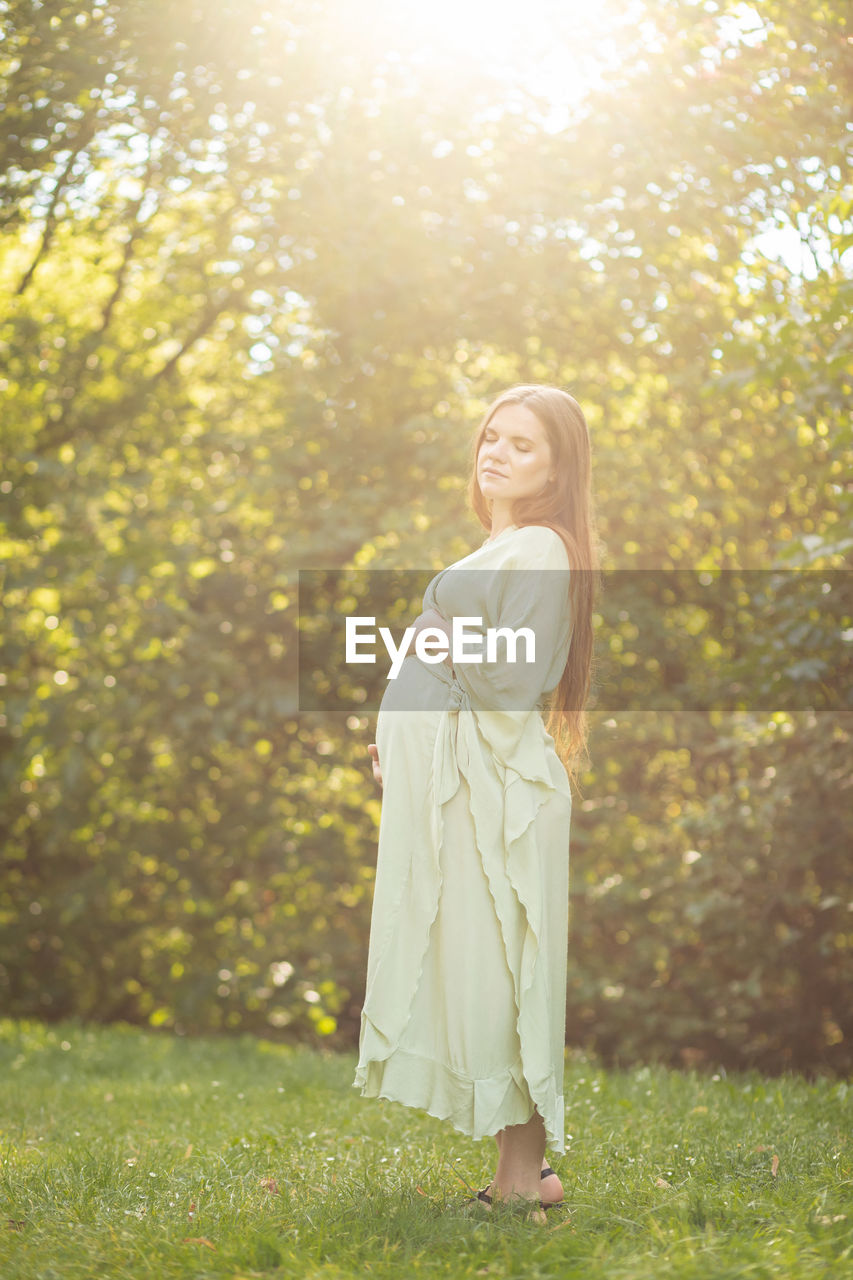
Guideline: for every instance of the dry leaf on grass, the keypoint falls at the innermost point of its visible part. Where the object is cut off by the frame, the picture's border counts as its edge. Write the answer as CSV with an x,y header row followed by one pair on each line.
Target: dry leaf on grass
x,y
662,1182
774,1166
199,1240
269,1184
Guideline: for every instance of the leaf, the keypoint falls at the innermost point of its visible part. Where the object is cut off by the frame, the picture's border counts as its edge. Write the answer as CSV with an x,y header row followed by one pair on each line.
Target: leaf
x,y
774,1167
269,1184
662,1182
199,1240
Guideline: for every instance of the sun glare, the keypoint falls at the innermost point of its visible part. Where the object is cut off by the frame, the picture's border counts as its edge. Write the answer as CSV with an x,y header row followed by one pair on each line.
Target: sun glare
x,y
554,50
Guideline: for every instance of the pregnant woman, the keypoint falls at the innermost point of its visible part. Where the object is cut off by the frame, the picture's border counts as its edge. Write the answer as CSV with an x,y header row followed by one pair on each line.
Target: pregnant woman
x,y
465,1006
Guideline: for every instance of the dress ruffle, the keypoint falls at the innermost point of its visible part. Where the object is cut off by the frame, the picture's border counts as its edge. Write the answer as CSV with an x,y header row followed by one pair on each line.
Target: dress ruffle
x,y
478,1108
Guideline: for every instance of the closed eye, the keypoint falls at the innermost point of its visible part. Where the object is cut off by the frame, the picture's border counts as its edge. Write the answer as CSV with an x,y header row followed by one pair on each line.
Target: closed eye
x,y
524,447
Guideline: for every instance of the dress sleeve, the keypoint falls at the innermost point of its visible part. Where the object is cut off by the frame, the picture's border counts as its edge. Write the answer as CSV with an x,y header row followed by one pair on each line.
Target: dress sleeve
x,y
529,590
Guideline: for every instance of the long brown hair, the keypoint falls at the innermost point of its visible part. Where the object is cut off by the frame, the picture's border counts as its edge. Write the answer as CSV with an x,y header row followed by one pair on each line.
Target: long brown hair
x,y
567,506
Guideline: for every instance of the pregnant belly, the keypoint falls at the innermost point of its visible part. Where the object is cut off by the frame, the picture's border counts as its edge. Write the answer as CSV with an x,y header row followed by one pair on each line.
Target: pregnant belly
x,y
419,686
408,722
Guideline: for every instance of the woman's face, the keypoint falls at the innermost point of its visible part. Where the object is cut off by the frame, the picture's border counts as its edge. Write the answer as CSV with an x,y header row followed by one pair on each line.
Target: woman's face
x,y
514,459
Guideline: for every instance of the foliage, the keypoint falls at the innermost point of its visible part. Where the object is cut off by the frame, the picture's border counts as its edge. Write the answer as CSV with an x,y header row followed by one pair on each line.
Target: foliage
x,y
263,277
710,911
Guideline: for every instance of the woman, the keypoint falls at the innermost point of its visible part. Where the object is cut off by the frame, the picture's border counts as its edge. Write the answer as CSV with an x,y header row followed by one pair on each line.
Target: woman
x,y
464,1012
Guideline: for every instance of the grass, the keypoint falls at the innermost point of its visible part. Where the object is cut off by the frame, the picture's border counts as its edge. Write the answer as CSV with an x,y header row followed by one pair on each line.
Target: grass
x,y
128,1153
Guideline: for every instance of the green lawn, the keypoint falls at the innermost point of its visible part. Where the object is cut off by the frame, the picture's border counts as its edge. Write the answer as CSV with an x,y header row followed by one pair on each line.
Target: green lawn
x,y
128,1153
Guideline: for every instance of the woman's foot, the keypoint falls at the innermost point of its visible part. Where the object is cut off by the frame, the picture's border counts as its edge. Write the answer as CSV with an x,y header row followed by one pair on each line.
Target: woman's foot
x,y
550,1186
535,1208
517,1154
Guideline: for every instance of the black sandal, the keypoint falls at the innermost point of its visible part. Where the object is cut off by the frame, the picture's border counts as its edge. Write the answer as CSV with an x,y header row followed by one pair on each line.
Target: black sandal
x,y
484,1197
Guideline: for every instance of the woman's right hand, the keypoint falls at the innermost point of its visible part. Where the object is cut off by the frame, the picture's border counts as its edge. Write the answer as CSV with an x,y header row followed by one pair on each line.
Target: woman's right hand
x,y
373,752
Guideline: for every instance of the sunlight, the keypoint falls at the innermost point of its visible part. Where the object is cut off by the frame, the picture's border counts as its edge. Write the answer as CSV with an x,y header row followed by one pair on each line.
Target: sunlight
x,y
554,50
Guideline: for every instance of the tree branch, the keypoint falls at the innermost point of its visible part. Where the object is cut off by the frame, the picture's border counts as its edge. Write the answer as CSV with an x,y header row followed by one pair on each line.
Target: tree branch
x,y
86,134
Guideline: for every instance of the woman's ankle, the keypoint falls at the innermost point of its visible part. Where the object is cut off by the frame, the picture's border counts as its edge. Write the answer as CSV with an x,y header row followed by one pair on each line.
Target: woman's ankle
x,y
515,1188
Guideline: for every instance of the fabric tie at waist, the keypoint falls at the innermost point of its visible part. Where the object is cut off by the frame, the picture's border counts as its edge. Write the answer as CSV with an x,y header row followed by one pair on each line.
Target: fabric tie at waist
x,y
454,750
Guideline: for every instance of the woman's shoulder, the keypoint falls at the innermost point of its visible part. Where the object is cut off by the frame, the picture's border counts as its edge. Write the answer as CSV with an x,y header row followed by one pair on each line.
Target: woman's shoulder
x,y
539,546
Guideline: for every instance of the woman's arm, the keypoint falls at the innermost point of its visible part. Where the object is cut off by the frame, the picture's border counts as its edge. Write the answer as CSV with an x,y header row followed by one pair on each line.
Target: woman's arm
x,y
530,592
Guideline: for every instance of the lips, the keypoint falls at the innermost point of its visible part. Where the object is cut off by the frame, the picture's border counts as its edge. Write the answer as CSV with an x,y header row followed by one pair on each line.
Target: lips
x,y
491,471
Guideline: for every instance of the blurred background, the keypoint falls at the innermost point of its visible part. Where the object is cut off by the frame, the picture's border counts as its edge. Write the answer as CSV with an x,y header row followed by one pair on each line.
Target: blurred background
x,y
264,264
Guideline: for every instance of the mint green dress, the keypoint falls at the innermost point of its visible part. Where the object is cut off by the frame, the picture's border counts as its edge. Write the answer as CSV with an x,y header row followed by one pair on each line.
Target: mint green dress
x,y
465,1006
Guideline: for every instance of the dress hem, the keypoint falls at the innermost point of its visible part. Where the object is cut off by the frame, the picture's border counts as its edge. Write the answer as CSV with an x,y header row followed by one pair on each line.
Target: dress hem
x,y
477,1108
